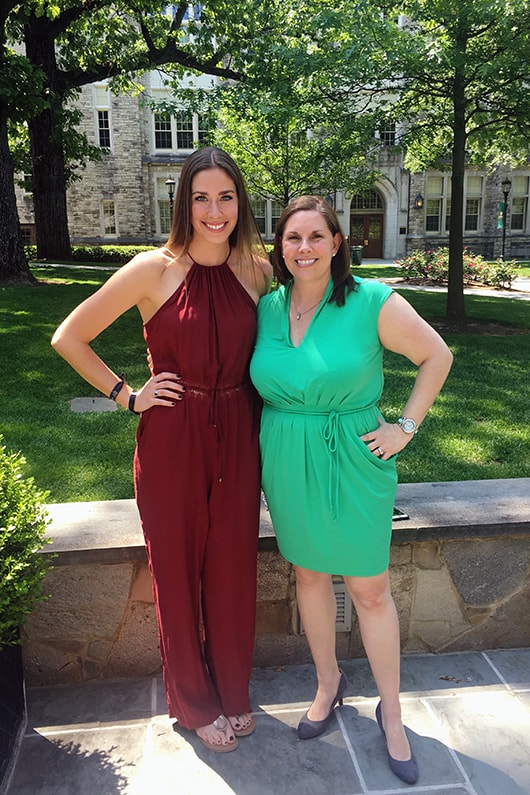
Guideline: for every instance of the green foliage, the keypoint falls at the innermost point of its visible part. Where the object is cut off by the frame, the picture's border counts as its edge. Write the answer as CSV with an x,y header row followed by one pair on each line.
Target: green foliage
x,y
287,145
23,522
433,266
103,254
303,120
464,67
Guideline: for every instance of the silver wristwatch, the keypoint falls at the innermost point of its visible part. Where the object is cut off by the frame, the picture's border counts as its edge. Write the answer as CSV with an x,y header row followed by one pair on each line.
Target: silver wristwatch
x,y
407,425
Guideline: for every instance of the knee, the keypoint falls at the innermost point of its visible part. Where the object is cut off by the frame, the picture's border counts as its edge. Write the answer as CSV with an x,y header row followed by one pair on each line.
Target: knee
x,y
305,578
368,595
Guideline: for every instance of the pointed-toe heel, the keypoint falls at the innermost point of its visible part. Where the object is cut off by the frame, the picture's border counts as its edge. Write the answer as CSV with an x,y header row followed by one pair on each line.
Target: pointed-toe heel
x,y
406,770
307,728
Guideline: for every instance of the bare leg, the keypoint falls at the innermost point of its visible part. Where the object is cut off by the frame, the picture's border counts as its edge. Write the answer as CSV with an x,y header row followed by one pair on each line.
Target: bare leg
x,y
378,622
318,608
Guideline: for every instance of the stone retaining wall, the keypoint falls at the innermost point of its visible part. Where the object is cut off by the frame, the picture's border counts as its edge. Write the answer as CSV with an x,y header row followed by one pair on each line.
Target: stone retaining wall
x,y
460,574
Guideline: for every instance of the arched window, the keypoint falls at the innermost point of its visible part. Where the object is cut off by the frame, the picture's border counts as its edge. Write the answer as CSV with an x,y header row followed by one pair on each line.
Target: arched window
x,y
370,200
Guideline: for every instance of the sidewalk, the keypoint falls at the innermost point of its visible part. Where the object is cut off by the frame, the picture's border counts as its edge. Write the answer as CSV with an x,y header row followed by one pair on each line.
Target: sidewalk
x,y
520,286
468,713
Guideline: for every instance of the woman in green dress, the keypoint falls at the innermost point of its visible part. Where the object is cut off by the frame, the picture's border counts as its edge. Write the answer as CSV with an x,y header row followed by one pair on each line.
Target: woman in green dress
x,y
328,456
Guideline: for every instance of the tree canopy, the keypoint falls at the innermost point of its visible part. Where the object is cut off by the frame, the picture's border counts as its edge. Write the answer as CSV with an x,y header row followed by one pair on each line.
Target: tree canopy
x,y
461,87
303,88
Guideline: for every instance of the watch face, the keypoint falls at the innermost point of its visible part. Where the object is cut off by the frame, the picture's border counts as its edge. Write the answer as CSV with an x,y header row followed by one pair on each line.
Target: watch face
x,y
409,426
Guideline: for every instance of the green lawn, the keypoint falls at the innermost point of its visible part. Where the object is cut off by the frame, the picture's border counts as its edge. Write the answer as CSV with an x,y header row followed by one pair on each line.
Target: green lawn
x,y
479,427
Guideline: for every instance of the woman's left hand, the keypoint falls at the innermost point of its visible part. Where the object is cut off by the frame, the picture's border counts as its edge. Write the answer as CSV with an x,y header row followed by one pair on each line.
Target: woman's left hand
x,y
386,440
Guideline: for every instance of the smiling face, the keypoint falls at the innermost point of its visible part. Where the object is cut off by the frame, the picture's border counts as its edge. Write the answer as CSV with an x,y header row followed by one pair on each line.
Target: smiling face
x,y
214,206
308,246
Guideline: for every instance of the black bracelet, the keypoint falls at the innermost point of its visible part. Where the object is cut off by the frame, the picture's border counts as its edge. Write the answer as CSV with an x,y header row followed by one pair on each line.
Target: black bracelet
x,y
132,400
117,389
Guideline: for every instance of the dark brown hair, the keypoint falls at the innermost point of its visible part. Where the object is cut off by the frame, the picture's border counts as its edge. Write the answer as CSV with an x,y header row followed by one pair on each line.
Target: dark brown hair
x,y
343,281
245,238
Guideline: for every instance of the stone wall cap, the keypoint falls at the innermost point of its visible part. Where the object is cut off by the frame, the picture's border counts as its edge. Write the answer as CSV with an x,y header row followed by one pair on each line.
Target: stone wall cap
x,y
457,508
106,525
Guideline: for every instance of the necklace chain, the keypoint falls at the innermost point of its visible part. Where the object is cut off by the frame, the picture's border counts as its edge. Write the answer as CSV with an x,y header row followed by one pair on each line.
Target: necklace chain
x,y
299,314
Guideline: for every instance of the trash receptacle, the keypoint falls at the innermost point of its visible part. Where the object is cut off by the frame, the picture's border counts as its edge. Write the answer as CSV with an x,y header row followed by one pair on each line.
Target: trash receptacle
x,y
356,255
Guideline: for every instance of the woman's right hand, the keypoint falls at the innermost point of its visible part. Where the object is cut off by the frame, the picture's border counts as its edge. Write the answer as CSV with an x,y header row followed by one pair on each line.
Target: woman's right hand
x,y
162,389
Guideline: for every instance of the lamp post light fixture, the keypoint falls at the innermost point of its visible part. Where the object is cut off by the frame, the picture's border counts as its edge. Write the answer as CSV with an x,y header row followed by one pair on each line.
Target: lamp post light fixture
x,y
418,202
170,185
506,185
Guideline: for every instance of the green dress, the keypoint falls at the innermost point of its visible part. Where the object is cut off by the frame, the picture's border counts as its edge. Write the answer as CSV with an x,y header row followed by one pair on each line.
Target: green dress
x,y
329,497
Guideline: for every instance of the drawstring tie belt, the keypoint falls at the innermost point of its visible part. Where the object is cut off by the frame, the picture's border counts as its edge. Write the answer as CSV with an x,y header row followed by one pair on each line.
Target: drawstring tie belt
x,y
213,393
330,434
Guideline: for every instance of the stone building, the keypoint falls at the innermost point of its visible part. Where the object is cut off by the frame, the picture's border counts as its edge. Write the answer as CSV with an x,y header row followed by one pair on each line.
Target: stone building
x,y
124,199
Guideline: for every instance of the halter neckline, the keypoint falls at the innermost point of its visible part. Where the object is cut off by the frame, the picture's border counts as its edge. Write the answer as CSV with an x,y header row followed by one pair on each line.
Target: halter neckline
x,y
225,262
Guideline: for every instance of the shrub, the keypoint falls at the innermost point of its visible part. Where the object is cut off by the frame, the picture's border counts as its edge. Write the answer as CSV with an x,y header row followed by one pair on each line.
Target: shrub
x,y
118,254
23,522
434,267
104,254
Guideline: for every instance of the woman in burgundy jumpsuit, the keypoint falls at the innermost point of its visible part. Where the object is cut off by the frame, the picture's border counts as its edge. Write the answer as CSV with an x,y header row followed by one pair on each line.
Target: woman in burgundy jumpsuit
x,y
196,465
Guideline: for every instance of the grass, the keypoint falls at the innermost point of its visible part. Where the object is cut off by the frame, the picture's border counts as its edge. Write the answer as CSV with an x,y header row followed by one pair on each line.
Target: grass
x,y
479,427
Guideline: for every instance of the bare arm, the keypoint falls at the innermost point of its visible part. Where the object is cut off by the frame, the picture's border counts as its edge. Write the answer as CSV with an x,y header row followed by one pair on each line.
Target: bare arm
x,y
403,331
132,285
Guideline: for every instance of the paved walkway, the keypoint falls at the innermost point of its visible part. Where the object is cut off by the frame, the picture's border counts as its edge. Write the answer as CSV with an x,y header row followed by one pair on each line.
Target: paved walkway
x,y
468,716
520,286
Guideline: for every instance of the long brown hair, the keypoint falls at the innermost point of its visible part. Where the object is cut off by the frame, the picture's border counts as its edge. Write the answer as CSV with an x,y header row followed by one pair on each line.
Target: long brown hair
x,y
343,281
245,239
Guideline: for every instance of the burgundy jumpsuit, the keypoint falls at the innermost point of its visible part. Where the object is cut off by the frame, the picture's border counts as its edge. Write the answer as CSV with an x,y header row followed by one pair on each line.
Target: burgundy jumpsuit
x,y
197,485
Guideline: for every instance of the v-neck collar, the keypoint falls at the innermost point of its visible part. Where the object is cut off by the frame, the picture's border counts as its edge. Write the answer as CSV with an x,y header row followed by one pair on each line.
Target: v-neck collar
x,y
323,301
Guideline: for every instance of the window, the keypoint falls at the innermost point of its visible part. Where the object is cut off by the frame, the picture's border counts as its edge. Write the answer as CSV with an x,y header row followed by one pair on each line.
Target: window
x,y
102,108
177,130
519,215
108,212
447,215
26,235
266,211
438,203
367,201
184,130
387,136
104,129
162,130
472,215
259,209
473,203
276,211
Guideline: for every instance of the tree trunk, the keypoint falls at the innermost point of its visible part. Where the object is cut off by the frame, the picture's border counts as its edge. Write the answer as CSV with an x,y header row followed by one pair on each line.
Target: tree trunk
x,y
455,310
47,153
49,187
13,264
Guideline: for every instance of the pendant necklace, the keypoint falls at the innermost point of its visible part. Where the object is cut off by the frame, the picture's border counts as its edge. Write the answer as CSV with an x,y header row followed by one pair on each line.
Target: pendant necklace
x,y
299,314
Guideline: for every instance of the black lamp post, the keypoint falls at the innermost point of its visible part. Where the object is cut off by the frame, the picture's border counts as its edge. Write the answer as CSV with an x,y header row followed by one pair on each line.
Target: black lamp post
x,y
506,184
170,185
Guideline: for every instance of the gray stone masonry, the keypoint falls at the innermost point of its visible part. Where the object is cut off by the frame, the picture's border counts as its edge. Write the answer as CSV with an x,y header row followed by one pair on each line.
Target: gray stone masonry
x,y
459,572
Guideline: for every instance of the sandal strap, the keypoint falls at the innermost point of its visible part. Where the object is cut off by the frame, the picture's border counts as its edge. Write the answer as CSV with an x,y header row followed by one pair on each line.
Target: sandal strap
x,y
220,723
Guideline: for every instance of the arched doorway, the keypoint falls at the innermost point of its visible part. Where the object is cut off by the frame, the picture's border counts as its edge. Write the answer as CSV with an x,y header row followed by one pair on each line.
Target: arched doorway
x,y
366,223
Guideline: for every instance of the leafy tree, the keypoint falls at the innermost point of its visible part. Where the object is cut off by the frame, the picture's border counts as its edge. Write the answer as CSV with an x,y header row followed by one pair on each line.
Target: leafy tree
x,y
288,145
304,121
76,42
17,84
462,71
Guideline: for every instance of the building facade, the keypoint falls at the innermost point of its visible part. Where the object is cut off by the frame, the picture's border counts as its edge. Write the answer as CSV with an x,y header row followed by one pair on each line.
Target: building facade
x,y
126,198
